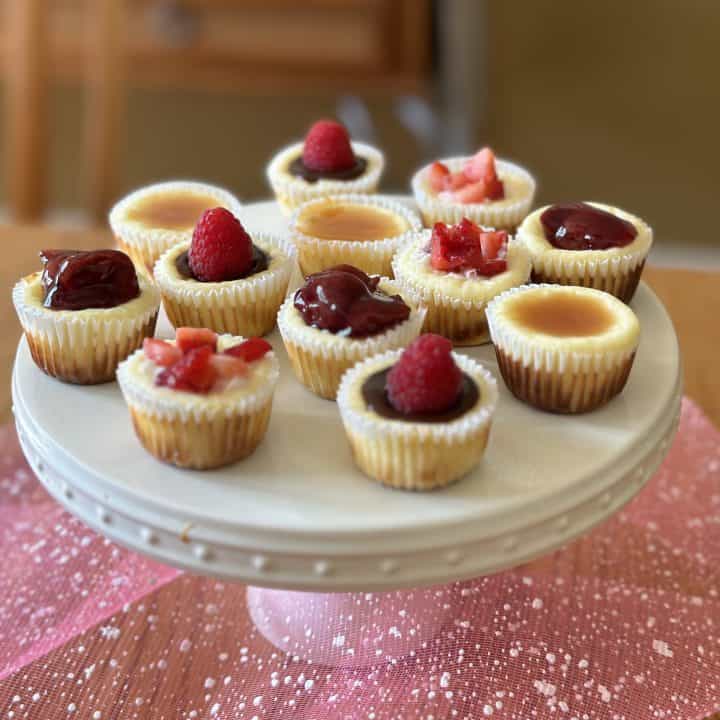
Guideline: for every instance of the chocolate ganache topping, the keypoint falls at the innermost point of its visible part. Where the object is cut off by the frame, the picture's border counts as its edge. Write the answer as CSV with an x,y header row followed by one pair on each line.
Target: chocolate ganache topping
x,y
78,280
346,301
579,226
374,393
299,169
260,262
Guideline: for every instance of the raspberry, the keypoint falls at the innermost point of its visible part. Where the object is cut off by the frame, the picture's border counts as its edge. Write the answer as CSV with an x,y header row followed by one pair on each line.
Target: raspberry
x,y
250,350
220,249
327,147
161,352
188,338
194,372
425,379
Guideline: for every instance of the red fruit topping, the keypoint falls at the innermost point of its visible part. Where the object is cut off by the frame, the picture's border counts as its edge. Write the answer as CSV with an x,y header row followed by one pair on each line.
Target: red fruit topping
x,y
579,226
194,372
438,176
481,166
425,379
327,147
475,183
228,367
187,338
220,249
250,350
465,246
161,352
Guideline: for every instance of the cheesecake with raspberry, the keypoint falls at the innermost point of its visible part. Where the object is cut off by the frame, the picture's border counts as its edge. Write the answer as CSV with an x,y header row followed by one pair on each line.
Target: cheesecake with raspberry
x,y
326,163
339,317
454,271
588,244
84,313
203,400
491,192
224,279
418,418
360,230
152,219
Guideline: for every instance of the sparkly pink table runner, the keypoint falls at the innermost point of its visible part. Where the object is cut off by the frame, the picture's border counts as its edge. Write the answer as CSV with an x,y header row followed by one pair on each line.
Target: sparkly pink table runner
x,y
623,623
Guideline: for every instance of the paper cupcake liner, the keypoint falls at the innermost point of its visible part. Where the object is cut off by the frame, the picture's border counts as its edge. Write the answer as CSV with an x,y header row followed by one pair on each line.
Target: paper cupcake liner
x,y
616,272
291,191
415,456
460,319
146,245
560,379
240,307
505,216
196,431
373,257
85,346
319,358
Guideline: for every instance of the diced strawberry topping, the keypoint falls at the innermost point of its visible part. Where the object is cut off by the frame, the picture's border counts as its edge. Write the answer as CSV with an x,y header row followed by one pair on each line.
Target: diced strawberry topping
x,y
188,338
477,181
160,352
194,372
481,166
466,246
438,175
228,367
250,350
327,147
425,378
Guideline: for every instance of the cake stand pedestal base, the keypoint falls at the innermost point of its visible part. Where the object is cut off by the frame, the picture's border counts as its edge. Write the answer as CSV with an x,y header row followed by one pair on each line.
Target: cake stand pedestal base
x,y
352,629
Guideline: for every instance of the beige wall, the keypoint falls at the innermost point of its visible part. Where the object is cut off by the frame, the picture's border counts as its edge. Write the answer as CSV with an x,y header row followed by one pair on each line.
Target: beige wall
x,y
617,101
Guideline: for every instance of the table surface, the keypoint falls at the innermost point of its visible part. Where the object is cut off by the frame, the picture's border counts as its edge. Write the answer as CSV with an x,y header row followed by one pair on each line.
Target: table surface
x,y
691,297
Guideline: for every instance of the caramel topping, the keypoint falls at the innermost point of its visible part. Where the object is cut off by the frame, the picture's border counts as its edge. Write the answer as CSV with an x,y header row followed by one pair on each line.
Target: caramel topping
x,y
179,210
351,222
561,314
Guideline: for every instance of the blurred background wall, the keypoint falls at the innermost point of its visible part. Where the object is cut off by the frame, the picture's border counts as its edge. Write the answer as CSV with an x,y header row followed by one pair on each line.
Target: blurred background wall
x,y
615,101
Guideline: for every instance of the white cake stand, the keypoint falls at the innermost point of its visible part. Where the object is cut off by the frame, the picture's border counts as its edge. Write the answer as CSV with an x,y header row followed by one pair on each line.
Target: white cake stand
x,y
299,516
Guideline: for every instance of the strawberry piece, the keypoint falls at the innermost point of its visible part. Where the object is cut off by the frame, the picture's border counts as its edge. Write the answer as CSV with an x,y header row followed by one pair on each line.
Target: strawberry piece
x,y
438,176
466,247
426,378
160,352
456,181
475,192
250,350
491,242
488,268
187,338
481,166
481,172
327,147
228,367
220,249
194,372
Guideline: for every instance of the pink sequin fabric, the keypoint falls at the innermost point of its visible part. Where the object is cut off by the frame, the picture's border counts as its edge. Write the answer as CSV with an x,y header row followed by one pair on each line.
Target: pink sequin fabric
x,y
622,624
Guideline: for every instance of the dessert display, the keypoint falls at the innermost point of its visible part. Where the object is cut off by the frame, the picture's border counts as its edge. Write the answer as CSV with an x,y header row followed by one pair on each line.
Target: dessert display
x,y
339,317
563,348
201,401
223,279
454,271
151,220
588,244
84,313
327,163
418,418
351,229
490,192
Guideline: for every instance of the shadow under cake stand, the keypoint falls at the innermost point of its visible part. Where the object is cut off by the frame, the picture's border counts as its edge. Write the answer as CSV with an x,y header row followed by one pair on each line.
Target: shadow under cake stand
x,y
307,531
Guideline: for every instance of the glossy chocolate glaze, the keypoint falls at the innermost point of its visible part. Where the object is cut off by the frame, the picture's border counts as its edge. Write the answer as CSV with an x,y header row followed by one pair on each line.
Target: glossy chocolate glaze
x,y
299,169
579,226
260,262
346,301
79,280
375,397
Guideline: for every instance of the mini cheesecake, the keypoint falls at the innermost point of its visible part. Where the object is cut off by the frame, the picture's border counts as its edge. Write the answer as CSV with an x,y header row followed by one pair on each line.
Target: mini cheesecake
x,y
340,316
417,449
454,271
326,163
151,220
492,193
587,244
201,401
84,313
351,229
561,348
